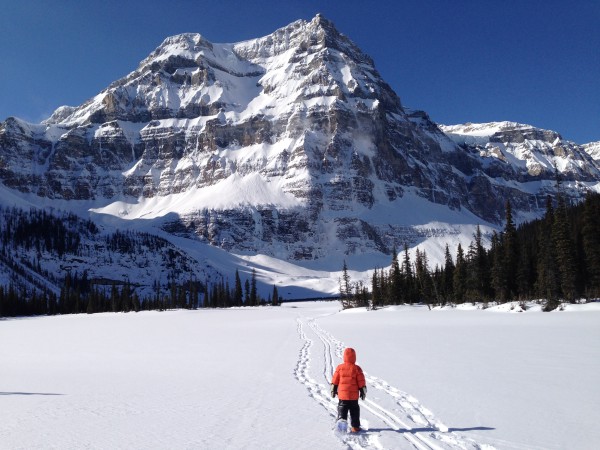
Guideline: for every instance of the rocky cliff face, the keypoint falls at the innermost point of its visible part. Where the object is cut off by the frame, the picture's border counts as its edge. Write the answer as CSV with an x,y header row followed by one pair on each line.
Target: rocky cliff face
x,y
290,144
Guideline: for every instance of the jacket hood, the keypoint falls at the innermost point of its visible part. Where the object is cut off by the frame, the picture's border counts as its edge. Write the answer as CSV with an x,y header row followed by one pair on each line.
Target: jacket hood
x,y
349,355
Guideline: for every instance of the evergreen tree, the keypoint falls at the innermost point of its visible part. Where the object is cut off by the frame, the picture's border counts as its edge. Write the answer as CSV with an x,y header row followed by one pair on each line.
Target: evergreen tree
x,y
247,293
227,299
547,276
591,244
345,288
511,255
437,285
526,265
423,278
497,269
361,295
90,305
238,292
448,276
135,301
253,294
125,297
384,289
409,289
477,269
460,276
376,300
206,302
395,279
565,253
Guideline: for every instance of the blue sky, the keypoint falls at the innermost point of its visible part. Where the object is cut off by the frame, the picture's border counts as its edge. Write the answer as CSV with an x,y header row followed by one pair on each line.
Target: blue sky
x,y
529,61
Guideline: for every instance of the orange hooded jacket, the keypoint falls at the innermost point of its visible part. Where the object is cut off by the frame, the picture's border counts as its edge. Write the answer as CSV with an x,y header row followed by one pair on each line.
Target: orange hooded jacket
x,y
348,377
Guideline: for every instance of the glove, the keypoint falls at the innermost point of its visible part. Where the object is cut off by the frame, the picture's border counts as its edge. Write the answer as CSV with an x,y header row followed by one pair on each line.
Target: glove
x,y
363,392
333,390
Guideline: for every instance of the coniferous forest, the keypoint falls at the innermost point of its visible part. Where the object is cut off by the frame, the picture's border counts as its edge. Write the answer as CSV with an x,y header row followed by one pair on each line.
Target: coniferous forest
x,y
551,260
35,290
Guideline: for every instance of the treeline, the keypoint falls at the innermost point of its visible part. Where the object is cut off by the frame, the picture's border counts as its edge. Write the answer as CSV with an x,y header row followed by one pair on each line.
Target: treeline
x,y
553,259
33,290
79,294
223,295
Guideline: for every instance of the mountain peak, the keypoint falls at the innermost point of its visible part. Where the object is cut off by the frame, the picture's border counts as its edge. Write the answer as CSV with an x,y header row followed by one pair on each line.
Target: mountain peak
x,y
189,40
328,36
186,45
320,21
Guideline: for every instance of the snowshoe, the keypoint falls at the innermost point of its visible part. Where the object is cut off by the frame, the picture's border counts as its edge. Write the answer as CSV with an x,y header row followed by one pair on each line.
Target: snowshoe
x,y
341,427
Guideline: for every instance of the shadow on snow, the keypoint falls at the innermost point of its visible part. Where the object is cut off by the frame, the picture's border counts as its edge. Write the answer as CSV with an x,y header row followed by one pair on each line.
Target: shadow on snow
x,y
28,393
430,429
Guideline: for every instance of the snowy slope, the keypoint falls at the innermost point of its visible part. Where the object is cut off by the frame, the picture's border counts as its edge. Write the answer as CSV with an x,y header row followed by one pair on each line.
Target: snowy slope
x,y
257,378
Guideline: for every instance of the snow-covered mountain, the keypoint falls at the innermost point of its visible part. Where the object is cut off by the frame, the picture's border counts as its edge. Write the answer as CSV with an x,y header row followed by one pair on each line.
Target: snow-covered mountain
x,y
526,148
290,146
593,149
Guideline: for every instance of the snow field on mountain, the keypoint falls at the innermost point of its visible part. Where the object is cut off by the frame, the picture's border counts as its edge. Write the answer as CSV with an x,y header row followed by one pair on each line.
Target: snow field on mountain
x,y
234,192
258,378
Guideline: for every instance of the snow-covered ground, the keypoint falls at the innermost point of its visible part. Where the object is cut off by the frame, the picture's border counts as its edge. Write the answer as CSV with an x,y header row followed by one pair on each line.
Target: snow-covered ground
x,y
258,378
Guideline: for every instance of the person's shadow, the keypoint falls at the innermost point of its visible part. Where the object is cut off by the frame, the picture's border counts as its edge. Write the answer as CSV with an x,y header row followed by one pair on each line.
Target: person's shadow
x,y
28,393
430,429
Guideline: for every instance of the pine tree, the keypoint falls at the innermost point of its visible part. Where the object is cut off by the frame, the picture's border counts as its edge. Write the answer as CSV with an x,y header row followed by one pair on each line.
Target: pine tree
x,y
511,255
565,254
90,305
477,272
345,288
395,279
409,289
384,289
361,296
460,276
375,289
547,276
230,293
423,278
247,293
125,297
136,302
253,294
591,243
238,292
526,264
497,270
113,298
448,276
206,300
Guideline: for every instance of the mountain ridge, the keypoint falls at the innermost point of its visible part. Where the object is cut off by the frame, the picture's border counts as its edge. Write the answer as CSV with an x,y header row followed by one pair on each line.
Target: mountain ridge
x,y
290,145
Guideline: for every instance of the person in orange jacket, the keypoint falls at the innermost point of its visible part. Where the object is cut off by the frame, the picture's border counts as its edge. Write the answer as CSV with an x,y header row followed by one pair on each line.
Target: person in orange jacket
x,y
348,383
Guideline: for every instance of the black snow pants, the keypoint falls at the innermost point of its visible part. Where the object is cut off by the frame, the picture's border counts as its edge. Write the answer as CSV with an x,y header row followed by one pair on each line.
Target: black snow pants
x,y
349,405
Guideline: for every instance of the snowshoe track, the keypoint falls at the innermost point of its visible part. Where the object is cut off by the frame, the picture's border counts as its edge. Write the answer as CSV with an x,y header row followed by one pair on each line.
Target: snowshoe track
x,y
396,418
